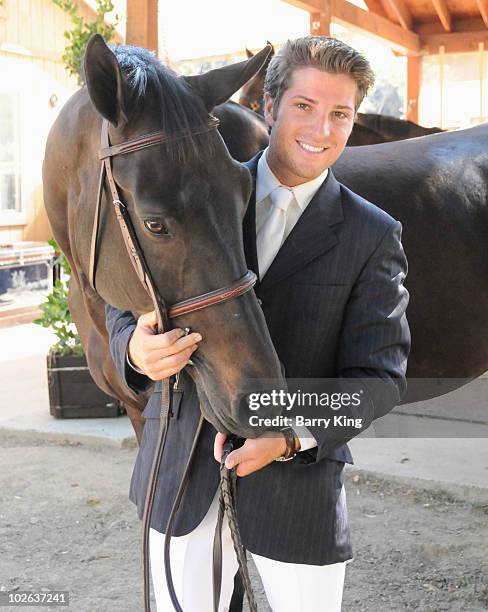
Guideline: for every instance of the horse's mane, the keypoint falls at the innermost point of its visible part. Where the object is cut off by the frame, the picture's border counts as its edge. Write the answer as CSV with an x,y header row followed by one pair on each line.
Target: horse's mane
x,y
180,112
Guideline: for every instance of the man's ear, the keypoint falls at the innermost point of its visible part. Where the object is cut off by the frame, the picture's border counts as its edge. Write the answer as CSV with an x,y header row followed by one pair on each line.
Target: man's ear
x,y
268,109
217,86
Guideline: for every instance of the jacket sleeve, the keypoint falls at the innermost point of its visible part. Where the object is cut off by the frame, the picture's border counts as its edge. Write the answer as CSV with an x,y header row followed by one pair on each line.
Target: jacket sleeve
x,y
120,326
374,343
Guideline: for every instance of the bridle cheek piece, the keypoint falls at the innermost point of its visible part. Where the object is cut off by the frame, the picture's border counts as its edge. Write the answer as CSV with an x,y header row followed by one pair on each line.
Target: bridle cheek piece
x,y
164,314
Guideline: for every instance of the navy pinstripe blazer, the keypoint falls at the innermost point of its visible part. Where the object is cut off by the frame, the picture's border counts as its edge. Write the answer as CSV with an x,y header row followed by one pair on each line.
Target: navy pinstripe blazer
x,y
335,303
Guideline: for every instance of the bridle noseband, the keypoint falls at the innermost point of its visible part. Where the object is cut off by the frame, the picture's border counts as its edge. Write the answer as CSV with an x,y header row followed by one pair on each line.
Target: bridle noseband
x,y
164,314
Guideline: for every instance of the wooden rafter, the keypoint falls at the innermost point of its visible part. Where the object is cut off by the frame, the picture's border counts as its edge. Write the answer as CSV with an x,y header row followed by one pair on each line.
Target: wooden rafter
x,y
375,6
483,9
472,24
453,42
401,12
443,14
348,14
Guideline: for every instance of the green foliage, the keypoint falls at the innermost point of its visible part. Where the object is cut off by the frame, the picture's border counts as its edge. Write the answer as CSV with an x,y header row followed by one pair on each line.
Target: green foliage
x,y
82,30
56,314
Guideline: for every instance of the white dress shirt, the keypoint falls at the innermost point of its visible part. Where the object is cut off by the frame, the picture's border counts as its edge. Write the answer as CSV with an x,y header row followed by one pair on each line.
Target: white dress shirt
x,y
266,183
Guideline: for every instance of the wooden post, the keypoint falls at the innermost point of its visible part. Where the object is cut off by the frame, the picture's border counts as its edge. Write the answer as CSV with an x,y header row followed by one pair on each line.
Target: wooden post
x,y
414,71
442,59
320,22
481,50
142,24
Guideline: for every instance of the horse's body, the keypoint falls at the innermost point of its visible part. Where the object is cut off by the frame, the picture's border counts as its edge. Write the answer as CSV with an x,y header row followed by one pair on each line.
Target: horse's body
x,y
243,131
362,135
190,186
437,186
391,128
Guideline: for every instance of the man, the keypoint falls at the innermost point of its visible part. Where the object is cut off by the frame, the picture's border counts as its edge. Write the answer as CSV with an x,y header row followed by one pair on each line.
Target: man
x,y
331,270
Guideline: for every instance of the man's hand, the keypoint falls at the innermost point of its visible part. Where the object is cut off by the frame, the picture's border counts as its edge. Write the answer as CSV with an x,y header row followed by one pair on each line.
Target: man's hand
x,y
160,355
253,455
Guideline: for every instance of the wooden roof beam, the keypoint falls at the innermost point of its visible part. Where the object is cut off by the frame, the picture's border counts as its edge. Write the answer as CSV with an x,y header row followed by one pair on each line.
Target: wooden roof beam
x,y
375,6
483,9
443,14
453,42
348,14
401,12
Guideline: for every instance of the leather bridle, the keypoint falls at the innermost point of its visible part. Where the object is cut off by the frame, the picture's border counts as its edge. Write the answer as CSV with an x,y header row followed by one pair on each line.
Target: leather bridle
x,y
164,315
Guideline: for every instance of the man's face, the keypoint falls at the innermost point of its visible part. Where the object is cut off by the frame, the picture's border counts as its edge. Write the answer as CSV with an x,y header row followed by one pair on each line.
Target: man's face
x,y
313,122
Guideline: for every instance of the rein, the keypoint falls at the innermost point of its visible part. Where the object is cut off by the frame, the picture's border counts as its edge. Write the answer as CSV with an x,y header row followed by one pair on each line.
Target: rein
x,y
164,315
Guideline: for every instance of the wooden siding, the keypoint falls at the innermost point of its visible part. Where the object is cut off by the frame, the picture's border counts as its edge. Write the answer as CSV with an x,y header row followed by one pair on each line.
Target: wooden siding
x,y
31,46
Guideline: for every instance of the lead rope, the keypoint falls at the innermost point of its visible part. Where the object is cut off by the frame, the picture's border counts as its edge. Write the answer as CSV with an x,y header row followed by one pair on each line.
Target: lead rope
x,y
172,519
166,397
227,505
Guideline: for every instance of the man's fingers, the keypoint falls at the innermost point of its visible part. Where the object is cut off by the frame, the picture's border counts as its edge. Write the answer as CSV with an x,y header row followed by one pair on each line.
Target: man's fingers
x,y
245,468
236,457
148,320
181,344
219,442
169,365
158,341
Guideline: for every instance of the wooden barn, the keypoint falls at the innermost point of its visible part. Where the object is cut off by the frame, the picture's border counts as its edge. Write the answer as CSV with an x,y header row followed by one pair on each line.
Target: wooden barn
x,y
34,85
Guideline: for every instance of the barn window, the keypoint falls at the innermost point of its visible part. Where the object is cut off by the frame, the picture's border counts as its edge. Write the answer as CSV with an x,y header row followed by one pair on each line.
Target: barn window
x,y
10,199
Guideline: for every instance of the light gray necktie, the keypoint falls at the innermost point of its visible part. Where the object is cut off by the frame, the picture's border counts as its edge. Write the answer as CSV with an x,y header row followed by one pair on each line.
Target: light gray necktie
x,y
270,236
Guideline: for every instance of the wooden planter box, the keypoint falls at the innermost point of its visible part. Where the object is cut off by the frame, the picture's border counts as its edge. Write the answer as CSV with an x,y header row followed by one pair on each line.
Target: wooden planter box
x,y
72,391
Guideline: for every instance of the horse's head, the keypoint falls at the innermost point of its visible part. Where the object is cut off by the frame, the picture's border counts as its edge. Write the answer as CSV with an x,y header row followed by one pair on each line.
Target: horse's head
x,y
251,95
186,199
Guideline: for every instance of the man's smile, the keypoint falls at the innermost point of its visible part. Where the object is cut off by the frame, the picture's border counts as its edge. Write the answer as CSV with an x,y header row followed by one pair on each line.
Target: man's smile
x,y
310,148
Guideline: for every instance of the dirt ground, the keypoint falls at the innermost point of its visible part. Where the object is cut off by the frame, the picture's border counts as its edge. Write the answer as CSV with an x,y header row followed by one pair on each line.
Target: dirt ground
x,y
66,523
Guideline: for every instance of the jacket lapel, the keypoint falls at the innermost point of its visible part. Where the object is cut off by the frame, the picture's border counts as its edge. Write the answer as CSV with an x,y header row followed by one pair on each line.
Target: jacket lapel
x,y
312,235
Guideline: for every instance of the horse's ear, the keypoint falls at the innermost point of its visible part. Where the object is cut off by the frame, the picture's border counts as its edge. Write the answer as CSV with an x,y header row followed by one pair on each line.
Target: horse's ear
x,y
264,67
217,86
105,81
249,53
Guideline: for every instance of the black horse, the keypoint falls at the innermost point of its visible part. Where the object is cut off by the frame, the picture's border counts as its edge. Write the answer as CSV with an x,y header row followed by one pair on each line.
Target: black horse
x,y
186,198
437,186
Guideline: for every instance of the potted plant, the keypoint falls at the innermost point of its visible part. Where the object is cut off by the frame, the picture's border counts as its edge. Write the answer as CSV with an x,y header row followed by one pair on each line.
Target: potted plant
x,y
72,391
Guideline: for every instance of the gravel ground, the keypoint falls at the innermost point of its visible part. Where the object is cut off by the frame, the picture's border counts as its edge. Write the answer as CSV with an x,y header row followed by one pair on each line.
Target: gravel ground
x,y
66,523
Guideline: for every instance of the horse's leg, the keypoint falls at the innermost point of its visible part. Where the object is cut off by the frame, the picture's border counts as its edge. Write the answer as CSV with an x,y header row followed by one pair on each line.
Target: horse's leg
x,y
88,311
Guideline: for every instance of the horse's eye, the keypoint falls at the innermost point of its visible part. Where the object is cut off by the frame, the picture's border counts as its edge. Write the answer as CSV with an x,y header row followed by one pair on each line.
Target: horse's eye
x,y
156,227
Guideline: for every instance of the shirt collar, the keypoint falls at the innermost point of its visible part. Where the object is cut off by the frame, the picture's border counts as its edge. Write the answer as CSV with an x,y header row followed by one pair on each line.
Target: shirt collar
x,y
266,182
